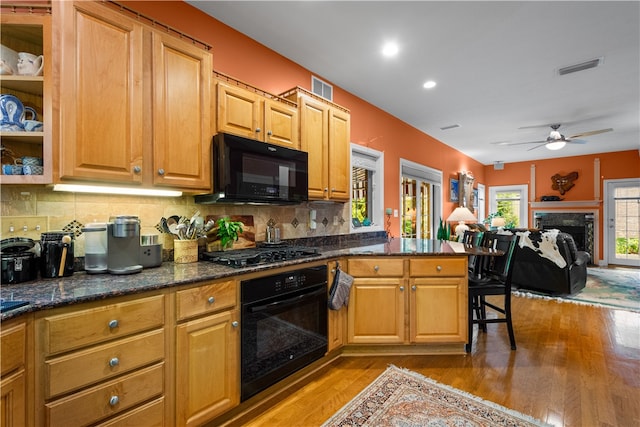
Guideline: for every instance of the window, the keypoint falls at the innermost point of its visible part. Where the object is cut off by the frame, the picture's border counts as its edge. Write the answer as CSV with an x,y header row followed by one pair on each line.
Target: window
x,y
511,203
321,88
421,194
367,189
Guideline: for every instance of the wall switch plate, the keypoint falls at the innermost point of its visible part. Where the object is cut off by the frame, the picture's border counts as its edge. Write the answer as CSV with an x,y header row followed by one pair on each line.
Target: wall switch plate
x,y
30,227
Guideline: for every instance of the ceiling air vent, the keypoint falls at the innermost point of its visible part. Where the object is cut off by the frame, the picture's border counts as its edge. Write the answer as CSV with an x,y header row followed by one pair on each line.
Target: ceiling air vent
x,y
449,127
580,67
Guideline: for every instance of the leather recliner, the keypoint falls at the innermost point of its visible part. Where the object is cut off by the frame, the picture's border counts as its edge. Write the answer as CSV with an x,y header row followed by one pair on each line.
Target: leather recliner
x,y
536,273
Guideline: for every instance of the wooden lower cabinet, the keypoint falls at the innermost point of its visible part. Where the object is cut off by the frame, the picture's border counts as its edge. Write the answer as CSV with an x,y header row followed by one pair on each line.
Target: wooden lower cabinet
x,y
400,300
98,363
337,319
207,358
14,356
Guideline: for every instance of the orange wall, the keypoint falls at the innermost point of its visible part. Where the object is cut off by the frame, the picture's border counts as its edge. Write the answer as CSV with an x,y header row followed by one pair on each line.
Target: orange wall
x,y
244,59
237,55
617,165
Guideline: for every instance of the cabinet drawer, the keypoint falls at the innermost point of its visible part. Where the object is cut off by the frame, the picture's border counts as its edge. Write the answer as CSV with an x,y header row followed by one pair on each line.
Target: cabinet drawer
x,y
206,299
109,399
86,367
438,266
372,267
12,351
148,415
91,326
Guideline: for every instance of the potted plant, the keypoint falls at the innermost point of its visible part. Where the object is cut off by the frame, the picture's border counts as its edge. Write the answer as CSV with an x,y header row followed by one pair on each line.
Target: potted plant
x,y
228,231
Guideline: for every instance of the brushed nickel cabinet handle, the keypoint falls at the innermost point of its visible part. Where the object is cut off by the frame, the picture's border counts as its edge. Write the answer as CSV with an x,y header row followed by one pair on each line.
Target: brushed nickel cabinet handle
x,y
113,324
114,362
211,300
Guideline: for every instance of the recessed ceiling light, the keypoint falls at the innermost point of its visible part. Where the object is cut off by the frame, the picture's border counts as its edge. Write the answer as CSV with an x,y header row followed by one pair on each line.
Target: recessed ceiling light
x,y
390,49
429,84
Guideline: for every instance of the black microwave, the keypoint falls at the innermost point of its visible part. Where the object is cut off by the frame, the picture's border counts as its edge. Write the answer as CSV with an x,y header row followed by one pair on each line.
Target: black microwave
x,y
249,171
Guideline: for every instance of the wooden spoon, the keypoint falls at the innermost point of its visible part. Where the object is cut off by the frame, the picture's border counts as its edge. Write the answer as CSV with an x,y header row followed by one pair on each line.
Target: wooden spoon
x,y
63,259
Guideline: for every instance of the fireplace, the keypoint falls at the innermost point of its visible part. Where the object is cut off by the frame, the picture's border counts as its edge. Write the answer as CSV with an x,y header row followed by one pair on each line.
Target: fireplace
x,y
579,224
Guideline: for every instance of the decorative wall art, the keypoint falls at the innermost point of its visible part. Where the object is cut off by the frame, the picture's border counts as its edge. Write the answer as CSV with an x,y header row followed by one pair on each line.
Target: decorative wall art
x,y
453,190
564,183
465,186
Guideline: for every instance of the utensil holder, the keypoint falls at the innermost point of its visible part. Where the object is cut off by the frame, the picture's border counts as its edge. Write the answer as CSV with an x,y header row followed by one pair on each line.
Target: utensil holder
x,y
185,251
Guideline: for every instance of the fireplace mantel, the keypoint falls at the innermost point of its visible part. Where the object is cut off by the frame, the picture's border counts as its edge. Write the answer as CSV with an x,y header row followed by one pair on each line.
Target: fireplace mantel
x,y
567,204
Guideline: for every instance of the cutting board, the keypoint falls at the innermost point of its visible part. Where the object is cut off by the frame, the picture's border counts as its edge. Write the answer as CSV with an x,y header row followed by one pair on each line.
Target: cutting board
x,y
247,239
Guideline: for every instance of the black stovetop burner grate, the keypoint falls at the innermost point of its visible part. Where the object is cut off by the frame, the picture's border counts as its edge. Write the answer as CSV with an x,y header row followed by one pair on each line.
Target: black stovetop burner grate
x,y
260,255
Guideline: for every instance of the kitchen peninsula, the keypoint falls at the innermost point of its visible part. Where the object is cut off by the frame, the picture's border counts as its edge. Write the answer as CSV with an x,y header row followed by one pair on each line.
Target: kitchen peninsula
x,y
127,346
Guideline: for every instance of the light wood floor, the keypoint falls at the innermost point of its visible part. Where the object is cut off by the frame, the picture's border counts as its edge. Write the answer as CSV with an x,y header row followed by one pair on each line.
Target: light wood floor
x,y
575,365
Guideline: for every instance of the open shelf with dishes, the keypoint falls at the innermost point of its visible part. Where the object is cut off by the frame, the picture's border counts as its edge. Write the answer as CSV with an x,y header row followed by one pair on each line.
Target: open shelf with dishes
x,y
25,97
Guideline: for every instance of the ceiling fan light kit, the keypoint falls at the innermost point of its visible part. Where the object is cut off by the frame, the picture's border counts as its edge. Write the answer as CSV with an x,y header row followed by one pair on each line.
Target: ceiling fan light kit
x,y
555,145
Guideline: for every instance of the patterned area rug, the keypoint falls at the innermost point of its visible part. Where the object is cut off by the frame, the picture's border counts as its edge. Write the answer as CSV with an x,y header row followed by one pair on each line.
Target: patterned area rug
x,y
400,397
606,287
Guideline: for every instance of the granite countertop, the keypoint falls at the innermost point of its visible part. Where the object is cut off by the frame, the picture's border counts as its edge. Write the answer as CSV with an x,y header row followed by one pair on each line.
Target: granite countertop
x,y
81,287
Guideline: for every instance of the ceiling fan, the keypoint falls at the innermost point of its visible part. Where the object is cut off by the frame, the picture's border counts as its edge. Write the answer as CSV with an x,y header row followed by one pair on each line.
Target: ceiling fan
x,y
556,140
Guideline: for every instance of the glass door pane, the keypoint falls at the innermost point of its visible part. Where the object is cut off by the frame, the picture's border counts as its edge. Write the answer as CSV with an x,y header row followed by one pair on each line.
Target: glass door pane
x,y
624,228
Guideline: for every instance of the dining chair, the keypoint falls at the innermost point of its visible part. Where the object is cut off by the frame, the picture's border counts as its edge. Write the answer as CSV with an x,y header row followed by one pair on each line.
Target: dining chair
x,y
492,278
472,238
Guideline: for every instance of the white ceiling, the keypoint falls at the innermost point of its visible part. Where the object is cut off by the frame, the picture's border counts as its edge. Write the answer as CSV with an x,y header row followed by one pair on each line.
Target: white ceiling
x,y
495,64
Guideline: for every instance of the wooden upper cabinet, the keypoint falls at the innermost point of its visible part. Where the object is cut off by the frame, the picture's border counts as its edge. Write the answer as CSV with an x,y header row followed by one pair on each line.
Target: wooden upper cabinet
x,y
134,102
314,139
100,94
30,32
250,114
325,132
181,113
339,155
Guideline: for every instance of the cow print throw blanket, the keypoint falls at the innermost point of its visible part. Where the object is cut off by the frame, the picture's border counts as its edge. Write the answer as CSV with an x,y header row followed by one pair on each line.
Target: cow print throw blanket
x,y
544,244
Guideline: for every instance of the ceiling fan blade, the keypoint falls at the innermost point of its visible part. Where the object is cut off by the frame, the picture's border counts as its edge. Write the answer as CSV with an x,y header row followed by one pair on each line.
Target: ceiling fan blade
x,y
537,146
546,125
593,132
522,143
576,141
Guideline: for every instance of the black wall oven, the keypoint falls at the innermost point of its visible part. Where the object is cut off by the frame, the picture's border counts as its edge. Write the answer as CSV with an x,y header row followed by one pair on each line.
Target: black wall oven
x,y
284,326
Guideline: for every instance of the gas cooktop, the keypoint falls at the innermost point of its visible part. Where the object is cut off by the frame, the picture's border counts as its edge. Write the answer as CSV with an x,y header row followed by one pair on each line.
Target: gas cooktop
x,y
263,255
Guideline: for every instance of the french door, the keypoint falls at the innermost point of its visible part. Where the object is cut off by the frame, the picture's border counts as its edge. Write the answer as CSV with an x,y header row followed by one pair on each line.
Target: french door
x,y
421,194
622,221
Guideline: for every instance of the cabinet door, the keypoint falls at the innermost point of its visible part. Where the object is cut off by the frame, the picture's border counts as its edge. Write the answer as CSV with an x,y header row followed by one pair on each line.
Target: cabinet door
x,y
376,311
207,367
438,310
239,111
181,113
12,400
339,155
336,318
314,138
281,124
100,111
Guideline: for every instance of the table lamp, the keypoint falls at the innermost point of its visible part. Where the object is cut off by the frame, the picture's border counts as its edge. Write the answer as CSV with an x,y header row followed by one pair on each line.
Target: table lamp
x,y
498,222
461,214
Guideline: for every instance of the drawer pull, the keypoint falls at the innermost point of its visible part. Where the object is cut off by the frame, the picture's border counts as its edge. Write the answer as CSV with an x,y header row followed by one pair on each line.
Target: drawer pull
x,y
439,267
114,362
113,324
235,323
211,300
376,268
114,400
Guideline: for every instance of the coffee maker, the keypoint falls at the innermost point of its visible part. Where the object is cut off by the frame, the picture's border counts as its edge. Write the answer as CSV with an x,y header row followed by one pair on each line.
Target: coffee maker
x,y
123,245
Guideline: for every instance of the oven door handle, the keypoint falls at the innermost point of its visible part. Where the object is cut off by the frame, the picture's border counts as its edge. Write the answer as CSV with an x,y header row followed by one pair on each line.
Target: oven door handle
x,y
283,303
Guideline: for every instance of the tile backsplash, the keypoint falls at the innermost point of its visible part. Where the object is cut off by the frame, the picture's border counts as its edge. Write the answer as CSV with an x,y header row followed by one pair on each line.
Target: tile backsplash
x,y
71,211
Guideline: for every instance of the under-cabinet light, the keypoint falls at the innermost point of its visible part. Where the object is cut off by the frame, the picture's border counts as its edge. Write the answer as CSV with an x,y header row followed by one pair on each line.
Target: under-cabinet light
x,y
74,188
